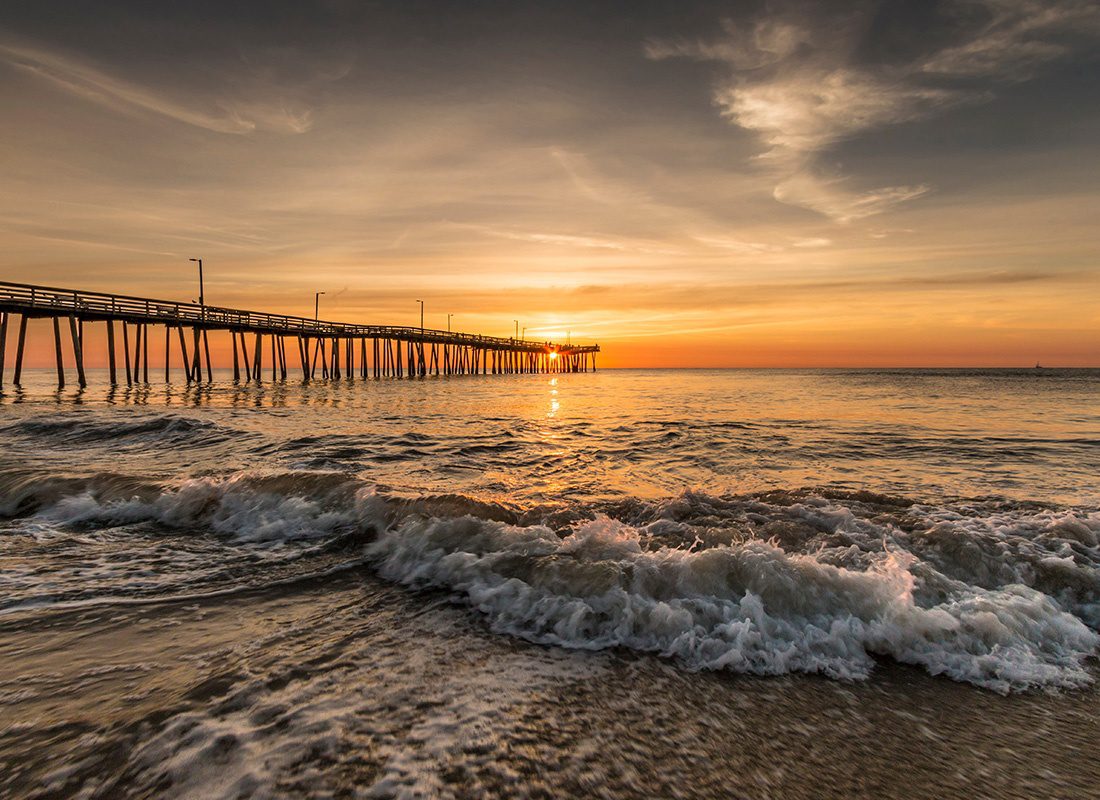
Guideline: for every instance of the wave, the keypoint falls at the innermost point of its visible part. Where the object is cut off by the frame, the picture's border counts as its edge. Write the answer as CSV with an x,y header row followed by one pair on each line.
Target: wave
x,y
750,607
24,492
245,507
1002,595
84,427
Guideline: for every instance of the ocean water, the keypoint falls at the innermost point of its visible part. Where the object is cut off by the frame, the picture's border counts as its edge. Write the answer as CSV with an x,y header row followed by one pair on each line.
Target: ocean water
x,y
635,583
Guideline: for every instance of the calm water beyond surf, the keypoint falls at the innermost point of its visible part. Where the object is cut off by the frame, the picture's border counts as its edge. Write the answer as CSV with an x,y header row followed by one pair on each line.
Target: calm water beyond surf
x,y
628,584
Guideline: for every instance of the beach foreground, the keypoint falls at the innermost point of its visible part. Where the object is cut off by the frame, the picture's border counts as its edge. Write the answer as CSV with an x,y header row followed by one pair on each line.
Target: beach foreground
x,y
344,686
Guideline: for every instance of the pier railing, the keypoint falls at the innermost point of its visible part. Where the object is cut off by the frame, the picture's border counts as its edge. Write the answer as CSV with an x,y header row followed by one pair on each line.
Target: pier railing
x,y
51,301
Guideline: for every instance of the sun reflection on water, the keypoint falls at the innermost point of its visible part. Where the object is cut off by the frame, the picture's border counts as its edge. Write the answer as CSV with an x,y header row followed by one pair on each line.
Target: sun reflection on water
x,y
554,404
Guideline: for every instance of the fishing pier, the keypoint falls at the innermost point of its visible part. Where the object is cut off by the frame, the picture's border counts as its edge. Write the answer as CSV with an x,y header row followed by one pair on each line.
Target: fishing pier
x,y
328,350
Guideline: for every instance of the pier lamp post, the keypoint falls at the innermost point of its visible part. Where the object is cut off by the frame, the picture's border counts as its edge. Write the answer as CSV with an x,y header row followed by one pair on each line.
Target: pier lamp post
x,y
421,317
449,322
202,297
317,305
517,327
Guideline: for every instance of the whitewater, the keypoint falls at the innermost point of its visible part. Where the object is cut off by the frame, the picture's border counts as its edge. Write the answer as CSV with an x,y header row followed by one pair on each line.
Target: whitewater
x,y
446,587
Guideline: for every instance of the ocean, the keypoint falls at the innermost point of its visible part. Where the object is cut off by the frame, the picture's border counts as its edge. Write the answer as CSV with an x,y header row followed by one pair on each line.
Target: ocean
x,y
632,583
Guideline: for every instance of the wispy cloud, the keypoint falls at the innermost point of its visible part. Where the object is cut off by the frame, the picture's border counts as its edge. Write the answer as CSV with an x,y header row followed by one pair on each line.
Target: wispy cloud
x,y
830,196
737,245
1017,37
589,242
802,88
97,86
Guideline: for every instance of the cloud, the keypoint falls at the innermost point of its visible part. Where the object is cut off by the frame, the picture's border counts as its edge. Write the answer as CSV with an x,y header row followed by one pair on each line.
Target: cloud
x,y
98,87
802,86
1018,36
830,197
737,245
806,113
812,241
573,240
885,233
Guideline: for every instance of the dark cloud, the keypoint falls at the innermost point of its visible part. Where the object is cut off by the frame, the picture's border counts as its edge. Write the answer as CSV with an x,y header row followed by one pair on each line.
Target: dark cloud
x,y
805,79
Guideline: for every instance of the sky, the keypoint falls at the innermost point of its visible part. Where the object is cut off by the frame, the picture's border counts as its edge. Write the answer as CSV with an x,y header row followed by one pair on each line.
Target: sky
x,y
688,184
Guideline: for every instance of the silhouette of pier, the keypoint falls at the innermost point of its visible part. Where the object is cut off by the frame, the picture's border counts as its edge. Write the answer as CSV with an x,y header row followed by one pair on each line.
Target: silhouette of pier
x,y
328,350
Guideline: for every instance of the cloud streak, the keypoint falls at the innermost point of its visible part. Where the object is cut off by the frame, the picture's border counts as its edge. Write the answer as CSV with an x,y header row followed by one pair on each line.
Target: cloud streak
x,y
802,87
98,87
587,242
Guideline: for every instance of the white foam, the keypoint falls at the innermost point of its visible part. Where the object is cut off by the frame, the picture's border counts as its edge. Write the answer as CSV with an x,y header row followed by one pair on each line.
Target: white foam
x,y
244,506
749,607
1000,597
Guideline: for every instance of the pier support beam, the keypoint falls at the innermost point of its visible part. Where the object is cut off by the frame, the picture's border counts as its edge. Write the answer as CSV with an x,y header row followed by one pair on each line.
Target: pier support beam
x,y
206,349
3,343
126,352
57,350
196,355
137,353
183,354
145,352
139,342
258,358
244,357
17,378
78,353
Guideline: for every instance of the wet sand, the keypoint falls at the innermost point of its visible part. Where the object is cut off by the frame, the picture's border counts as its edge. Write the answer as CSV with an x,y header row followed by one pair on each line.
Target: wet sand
x,y
349,687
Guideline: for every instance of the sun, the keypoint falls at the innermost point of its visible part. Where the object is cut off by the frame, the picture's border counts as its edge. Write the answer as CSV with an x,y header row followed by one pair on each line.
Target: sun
x,y
553,354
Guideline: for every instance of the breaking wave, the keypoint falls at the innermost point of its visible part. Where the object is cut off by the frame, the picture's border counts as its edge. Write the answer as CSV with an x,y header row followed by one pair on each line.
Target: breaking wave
x,y
998,594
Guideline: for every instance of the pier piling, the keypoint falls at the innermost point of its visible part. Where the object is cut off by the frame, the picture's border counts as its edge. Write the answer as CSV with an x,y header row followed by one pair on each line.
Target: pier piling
x,y
78,352
57,350
3,343
20,345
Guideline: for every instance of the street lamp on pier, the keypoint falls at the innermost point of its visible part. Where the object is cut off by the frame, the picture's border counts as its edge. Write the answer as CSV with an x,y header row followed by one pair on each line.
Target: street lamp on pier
x,y
202,296
317,305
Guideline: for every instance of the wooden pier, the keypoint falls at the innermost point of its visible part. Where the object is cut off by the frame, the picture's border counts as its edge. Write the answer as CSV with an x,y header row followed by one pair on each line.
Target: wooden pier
x,y
329,350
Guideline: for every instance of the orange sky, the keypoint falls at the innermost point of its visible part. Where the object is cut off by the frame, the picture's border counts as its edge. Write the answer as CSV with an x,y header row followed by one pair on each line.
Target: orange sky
x,y
720,188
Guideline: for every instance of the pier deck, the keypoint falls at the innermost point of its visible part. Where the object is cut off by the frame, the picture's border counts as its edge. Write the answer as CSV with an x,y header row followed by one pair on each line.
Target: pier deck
x,y
394,351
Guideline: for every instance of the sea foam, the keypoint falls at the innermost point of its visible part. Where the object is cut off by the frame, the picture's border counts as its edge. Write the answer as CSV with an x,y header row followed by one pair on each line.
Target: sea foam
x,y
1000,598
749,607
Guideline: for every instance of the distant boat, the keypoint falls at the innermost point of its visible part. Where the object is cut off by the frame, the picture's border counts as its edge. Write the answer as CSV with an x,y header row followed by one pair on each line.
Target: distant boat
x,y
1038,365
